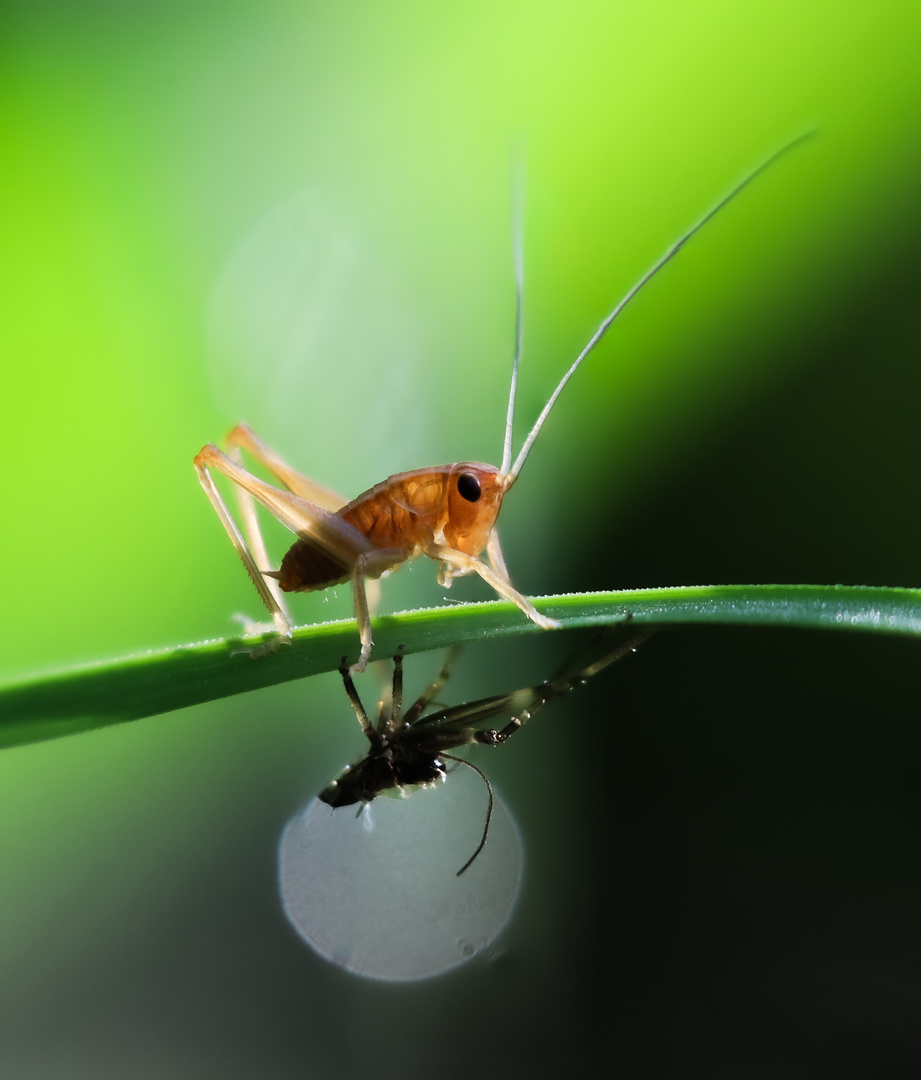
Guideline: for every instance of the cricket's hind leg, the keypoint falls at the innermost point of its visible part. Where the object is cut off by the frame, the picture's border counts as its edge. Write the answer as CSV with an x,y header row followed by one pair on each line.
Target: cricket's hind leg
x,y
268,591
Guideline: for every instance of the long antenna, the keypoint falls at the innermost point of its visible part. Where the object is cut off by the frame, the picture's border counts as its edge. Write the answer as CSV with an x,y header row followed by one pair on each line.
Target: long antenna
x,y
518,259
485,779
511,476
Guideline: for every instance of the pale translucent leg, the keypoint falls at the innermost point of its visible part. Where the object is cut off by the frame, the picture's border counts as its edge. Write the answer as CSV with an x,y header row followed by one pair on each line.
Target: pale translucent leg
x,y
256,543
276,610
244,438
370,564
447,573
304,518
458,563
496,558
307,520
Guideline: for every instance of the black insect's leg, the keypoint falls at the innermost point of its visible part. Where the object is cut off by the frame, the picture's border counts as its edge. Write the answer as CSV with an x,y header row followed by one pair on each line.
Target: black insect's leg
x,y
428,695
628,646
366,726
388,725
496,738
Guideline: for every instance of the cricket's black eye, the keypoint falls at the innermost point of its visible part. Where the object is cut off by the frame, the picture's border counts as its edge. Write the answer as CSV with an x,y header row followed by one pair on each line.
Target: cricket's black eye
x,y
469,487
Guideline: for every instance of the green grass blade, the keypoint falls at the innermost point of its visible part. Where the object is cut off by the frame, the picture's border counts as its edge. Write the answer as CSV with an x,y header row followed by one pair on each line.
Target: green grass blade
x,y
93,696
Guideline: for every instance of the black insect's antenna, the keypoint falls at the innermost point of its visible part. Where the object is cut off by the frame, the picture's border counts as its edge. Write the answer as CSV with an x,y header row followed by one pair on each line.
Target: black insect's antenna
x,y
485,779
510,475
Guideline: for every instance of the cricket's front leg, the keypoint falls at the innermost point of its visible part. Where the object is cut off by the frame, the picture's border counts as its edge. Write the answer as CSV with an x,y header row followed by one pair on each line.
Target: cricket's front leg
x,y
458,563
496,558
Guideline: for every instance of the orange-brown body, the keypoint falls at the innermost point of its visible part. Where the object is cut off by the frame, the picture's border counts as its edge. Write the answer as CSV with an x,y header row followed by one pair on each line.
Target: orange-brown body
x,y
455,505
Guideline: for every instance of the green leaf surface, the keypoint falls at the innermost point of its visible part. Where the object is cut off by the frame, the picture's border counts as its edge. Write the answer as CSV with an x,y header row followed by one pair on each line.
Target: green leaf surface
x,y
92,696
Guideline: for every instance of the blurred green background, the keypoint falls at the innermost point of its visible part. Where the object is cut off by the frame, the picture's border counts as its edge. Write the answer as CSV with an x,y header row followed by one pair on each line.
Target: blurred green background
x,y
298,215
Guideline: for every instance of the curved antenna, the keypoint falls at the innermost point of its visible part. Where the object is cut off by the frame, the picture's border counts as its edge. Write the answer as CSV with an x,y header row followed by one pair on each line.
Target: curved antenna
x,y
518,259
485,779
651,273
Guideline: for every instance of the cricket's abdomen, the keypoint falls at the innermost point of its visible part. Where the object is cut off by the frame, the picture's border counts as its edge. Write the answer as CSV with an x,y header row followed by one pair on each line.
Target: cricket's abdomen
x,y
307,567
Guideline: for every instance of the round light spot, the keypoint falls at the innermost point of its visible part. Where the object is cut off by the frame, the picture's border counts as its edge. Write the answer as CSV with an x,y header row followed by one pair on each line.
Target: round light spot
x,y
378,893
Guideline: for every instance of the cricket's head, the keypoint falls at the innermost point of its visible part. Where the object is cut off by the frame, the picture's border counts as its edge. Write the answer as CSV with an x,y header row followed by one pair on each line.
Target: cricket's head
x,y
474,496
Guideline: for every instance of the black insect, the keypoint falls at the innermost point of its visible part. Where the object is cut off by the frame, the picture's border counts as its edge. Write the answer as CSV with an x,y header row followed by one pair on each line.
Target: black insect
x,y
408,750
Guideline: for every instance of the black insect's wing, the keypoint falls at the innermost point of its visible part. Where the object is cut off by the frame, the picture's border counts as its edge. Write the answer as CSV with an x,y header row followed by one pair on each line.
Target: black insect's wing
x,y
459,725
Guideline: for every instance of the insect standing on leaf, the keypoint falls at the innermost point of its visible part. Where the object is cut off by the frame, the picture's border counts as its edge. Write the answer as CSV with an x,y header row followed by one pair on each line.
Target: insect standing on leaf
x,y
409,750
447,512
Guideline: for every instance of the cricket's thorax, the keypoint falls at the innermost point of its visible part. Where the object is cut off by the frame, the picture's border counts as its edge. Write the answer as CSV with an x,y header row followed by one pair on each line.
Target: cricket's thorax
x,y
452,504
